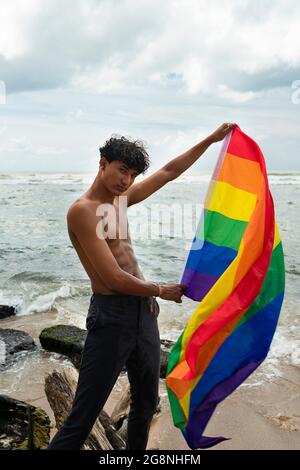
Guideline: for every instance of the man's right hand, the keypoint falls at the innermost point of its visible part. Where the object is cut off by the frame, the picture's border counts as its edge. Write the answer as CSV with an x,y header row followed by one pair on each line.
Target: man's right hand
x,y
172,292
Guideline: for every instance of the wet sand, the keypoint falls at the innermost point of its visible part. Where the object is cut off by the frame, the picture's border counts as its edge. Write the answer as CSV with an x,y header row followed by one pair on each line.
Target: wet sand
x,y
265,416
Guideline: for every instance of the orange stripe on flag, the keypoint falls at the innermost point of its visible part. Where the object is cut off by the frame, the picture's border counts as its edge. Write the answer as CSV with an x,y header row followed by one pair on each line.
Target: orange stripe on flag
x,y
241,173
176,379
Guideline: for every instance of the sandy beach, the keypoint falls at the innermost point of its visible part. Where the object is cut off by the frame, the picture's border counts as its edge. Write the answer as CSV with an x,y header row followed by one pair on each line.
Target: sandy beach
x,y
266,416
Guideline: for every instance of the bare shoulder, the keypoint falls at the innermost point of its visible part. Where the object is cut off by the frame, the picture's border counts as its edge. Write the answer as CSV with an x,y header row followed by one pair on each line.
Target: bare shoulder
x,y
79,211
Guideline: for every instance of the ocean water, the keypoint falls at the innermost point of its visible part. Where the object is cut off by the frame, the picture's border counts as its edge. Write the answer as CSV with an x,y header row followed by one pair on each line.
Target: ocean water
x,y
41,273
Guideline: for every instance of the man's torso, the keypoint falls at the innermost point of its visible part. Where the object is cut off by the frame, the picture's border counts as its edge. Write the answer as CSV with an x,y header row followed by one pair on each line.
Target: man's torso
x,y
121,249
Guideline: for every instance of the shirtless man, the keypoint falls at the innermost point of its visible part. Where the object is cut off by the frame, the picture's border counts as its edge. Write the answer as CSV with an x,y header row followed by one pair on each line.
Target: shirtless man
x,y
121,323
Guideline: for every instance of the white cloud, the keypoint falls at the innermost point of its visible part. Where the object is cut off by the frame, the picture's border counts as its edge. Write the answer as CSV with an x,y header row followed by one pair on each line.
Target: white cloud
x,y
112,45
235,96
167,72
17,17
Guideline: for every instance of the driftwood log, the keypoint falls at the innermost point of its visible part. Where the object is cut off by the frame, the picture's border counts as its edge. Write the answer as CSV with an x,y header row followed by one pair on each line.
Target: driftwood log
x,y
60,391
120,412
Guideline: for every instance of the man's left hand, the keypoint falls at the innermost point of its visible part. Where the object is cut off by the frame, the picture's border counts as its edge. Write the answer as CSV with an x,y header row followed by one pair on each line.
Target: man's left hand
x,y
221,131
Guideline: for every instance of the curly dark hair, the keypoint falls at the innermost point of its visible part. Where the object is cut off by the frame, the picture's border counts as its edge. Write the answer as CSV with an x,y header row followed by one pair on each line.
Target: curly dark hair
x,y
130,152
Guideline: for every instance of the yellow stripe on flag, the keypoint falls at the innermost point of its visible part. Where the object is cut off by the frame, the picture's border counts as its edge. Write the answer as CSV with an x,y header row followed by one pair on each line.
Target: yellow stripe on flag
x,y
232,202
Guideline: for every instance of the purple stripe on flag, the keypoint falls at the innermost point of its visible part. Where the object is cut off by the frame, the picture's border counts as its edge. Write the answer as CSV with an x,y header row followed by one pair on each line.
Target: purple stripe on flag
x,y
200,417
197,284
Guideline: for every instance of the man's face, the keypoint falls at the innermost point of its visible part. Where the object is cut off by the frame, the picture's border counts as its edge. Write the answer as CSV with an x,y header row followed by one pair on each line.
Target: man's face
x,y
117,177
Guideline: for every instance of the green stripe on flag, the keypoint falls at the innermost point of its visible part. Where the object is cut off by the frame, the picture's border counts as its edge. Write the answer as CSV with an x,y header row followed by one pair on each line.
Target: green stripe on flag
x,y
221,230
174,354
177,413
272,286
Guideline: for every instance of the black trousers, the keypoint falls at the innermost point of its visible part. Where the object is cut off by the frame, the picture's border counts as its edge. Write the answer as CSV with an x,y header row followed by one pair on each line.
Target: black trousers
x,y
122,330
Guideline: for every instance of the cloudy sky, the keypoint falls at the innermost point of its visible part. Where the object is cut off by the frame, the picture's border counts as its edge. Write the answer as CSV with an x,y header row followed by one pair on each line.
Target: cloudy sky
x,y
165,72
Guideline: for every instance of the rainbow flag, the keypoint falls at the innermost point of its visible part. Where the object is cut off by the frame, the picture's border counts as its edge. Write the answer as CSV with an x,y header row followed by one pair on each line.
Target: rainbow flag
x,y
235,268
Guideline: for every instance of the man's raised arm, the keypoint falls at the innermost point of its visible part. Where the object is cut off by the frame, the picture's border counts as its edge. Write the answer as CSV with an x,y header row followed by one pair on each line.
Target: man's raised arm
x,y
140,191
